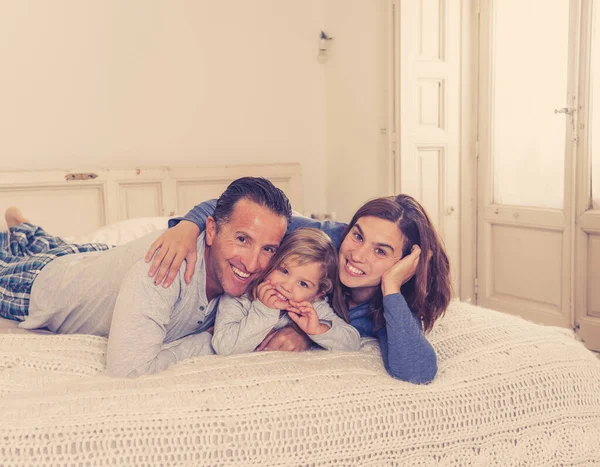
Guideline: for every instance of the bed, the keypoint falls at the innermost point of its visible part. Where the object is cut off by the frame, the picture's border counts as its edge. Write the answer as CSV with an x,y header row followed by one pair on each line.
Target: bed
x,y
508,392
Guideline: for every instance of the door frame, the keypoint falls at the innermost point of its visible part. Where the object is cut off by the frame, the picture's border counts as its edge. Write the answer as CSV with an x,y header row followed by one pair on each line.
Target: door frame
x,y
587,219
469,149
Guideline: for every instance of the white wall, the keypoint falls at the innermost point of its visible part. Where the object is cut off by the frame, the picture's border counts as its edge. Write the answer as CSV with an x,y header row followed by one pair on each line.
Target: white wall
x,y
112,83
356,76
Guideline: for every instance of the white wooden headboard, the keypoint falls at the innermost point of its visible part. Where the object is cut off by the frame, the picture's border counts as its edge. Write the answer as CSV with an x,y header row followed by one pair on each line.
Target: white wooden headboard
x,y
73,202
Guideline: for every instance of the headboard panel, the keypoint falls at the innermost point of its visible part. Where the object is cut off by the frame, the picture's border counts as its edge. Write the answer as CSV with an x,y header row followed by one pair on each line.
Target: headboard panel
x,y
76,202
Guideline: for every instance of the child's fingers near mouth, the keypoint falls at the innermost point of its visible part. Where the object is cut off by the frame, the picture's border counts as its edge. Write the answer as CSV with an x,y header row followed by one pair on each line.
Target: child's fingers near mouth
x,y
293,309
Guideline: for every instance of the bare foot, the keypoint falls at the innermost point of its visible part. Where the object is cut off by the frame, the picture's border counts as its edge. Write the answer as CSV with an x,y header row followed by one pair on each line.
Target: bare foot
x,y
14,217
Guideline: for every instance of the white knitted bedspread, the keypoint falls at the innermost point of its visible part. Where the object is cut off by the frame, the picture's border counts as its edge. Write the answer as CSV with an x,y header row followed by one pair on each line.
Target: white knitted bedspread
x,y
508,392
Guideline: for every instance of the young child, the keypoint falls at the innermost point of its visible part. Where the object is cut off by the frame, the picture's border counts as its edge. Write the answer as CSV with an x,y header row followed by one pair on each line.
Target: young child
x,y
294,286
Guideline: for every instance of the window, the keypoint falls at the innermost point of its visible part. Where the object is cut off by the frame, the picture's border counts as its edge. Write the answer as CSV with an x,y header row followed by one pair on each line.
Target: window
x,y
530,81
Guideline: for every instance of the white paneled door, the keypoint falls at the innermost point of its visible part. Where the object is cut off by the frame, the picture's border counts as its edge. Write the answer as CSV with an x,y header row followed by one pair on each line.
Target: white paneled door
x,y
426,84
533,252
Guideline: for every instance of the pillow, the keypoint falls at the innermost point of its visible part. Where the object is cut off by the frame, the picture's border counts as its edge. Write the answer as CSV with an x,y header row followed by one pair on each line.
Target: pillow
x,y
122,231
125,231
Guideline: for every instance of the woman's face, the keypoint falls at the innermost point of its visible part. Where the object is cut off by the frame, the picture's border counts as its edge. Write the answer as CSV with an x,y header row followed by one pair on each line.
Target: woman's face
x,y
372,246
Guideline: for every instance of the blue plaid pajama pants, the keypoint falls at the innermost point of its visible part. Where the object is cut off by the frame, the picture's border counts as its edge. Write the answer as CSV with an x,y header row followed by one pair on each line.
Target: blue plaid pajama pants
x,y
24,251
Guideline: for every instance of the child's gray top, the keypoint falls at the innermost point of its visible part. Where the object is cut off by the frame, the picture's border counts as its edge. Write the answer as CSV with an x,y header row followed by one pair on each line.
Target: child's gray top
x,y
242,324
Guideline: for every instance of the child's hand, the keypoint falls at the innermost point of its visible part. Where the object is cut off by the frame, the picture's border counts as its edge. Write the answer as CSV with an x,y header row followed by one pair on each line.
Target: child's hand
x,y
305,316
265,292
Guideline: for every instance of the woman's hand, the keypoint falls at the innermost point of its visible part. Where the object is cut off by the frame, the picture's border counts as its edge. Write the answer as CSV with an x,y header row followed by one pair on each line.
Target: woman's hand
x,y
401,272
288,339
305,316
175,245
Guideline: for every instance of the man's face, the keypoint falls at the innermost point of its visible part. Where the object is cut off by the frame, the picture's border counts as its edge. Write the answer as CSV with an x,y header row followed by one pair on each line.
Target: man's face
x,y
242,248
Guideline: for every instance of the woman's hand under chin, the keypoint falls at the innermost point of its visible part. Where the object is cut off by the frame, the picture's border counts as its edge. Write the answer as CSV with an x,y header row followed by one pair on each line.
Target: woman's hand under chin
x,y
401,272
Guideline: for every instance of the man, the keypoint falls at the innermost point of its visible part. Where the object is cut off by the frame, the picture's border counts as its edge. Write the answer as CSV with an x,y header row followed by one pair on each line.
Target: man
x,y
109,293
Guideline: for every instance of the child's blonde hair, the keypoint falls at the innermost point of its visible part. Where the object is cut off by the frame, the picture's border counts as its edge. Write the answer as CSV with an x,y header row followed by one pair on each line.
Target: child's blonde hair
x,y
308,245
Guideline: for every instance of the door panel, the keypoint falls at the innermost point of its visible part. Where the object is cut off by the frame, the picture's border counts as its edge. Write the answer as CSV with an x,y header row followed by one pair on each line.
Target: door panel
x,y
525,148
593,275
539,254
587,289
429,109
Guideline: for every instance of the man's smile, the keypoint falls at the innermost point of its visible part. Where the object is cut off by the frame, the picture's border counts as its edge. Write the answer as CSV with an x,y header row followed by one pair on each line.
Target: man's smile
x,y
239,274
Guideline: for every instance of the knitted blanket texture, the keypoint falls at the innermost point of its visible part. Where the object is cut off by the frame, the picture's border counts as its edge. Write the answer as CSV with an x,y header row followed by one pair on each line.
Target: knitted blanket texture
x,y
508,392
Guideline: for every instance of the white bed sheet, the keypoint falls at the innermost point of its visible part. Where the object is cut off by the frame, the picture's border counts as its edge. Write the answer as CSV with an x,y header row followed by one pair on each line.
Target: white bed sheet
x,y
508,392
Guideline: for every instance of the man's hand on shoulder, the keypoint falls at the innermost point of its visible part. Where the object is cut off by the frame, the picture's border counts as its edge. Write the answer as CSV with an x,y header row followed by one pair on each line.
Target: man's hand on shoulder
x,y
177,244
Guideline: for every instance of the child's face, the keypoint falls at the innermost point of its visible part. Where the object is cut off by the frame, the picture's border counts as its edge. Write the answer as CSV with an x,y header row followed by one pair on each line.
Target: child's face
x,y
295,282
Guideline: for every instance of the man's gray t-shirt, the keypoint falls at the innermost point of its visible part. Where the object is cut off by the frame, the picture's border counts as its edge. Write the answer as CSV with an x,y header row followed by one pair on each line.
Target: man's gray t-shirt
x,y
110,294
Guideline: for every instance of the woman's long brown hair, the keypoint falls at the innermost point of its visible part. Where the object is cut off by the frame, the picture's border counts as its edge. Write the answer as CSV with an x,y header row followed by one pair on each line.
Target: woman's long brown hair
x,y
308,245
429,291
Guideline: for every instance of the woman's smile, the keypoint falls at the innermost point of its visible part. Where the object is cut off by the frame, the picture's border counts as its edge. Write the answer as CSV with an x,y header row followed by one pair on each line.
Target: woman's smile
x,y
353,270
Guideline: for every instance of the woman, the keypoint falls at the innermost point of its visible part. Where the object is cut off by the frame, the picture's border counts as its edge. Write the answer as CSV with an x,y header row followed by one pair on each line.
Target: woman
x,y
391,261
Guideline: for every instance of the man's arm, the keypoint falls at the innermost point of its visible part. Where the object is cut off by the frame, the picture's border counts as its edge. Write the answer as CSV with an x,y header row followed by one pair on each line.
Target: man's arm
x,y
138,328
179,242
241,325
198,215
